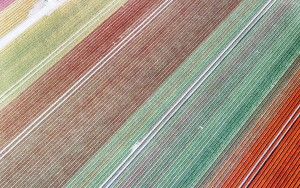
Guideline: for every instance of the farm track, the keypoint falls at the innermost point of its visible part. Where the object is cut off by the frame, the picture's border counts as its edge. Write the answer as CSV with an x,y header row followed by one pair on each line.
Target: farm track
x,y
76,130
262,130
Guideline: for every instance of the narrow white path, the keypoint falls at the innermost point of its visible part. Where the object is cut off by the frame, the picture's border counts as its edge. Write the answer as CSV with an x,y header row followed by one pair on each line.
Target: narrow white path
x,y
271,148
184,98
6,94
40,10
37,123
